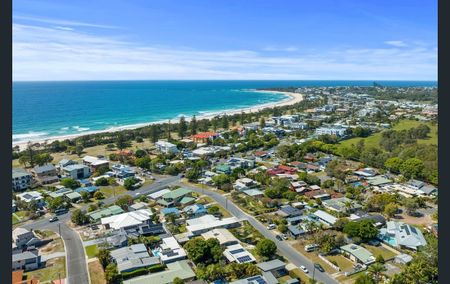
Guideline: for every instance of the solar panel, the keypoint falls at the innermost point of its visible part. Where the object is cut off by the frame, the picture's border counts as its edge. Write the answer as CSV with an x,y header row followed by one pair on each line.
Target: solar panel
x,y
245,258
236,251
258,279
414,230
407,230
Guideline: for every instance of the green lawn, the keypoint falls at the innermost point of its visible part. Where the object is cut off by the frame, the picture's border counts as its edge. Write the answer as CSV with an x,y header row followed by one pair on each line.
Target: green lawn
x,y
299,274
111,190
91,251
343,263
15,220
374,140
379,250
55,268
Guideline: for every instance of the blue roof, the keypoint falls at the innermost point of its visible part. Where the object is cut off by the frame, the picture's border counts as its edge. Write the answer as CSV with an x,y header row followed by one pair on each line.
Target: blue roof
x,y
170,210
89,189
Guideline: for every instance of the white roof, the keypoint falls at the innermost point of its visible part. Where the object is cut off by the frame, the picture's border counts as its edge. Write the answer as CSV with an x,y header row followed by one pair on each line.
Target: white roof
x,y
165,144
222,235
322,215
94,160
170,249
237,253
158,194
206,222
29,196
127,219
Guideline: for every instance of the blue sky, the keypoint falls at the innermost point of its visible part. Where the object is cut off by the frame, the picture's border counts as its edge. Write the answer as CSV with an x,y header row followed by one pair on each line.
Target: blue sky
x,y
224,39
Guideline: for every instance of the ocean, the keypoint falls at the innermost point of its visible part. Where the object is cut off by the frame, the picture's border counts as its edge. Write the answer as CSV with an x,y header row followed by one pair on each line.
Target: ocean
x,y
44,110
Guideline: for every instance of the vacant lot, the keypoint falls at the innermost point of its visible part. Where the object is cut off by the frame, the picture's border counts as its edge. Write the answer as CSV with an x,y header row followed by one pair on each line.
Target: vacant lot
x,y
379,250
374,140
55,268
300,247
343,263
96,272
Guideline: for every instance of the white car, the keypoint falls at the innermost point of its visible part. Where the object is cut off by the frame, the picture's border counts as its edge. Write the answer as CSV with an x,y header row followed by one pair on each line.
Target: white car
x,y
304,269
271,226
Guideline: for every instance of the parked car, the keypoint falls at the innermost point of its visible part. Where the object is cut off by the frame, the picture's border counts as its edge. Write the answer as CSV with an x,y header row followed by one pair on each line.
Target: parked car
x,y
271,226
61,211
319,267
304,269
53,219
284,236
278,237
311,247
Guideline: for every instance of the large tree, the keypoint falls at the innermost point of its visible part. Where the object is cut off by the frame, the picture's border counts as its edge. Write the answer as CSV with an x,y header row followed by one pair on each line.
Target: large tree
x,y
266,248
182,127
365,230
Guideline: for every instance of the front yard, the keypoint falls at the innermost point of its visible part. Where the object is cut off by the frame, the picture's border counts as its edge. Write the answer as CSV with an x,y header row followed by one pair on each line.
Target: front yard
x,y
96,272
54,269
91,251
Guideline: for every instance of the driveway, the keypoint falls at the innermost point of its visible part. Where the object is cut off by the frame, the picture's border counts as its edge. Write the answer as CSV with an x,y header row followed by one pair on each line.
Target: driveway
x,y
286,250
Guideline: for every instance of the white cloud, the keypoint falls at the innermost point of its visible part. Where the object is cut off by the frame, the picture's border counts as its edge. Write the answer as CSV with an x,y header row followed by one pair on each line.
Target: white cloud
x,y
287,49
61,22
47,53
396,43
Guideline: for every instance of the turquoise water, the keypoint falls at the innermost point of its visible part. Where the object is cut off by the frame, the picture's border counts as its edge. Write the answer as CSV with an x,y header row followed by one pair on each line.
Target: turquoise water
x,y
42,110
390,240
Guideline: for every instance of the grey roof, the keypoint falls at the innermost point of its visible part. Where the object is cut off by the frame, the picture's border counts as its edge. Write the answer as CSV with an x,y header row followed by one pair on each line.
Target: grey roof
x,y
290,211
252,280
133,257
17,173
24,256
295,230
271,265
404,234
428,189
43,168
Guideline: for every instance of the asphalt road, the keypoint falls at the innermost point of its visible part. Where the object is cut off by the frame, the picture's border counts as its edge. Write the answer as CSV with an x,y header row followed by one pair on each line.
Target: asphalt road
x,y
286,250
75,255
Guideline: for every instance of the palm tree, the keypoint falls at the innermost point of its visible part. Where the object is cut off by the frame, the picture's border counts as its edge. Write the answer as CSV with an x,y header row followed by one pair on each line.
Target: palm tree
x,y
348,205
376,270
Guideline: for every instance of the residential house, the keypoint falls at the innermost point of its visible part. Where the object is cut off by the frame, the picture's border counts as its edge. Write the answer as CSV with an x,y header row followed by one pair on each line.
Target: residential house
x,y
118,239
132,258
288,211
244,184
180,269
32,196
96,215
23,238
366,172
21,179
195,210
236,253
377,219
205,223
235,162
295,231
254,279
204,137
170,211
94,163
158,194
225,237
255,193
401,235
138,206
88,189
169,251
27,260
223,169
357,254
325,218
341,205
273,268
180,196
128,220
66,162
45,174
76,171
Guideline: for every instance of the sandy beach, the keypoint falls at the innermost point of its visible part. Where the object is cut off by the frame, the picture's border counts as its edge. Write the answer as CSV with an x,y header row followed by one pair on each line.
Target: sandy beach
x,y
293,98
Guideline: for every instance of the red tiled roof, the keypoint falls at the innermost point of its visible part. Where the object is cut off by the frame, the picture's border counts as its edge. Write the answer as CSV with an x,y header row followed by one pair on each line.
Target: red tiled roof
x,y
204,135
260,153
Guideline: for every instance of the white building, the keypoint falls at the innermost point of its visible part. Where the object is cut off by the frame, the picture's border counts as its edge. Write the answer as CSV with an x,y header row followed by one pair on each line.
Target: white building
x,y
31,196
77,171
236,253
331,130
127,220
21,179
94,162
170,250
224,236
205,223
166,147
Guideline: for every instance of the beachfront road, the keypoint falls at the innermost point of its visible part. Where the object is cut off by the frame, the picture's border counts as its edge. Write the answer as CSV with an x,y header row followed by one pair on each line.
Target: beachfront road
x,y
286,250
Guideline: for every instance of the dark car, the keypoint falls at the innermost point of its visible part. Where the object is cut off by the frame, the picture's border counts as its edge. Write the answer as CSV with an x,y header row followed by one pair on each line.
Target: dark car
x,y
319,267
278,237
53,219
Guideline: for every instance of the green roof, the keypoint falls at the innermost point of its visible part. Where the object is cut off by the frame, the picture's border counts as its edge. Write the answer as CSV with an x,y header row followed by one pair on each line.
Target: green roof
x,y
163,202
73,195
186,200
177,193
106,212
359,252
180,269
378,180
223,168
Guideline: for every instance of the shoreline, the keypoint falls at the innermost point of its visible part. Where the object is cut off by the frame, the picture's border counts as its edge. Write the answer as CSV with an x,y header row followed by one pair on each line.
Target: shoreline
x,y
292,98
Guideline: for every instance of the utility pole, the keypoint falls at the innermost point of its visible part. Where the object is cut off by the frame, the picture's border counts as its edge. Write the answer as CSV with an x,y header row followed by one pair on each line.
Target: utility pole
x,y
314,272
